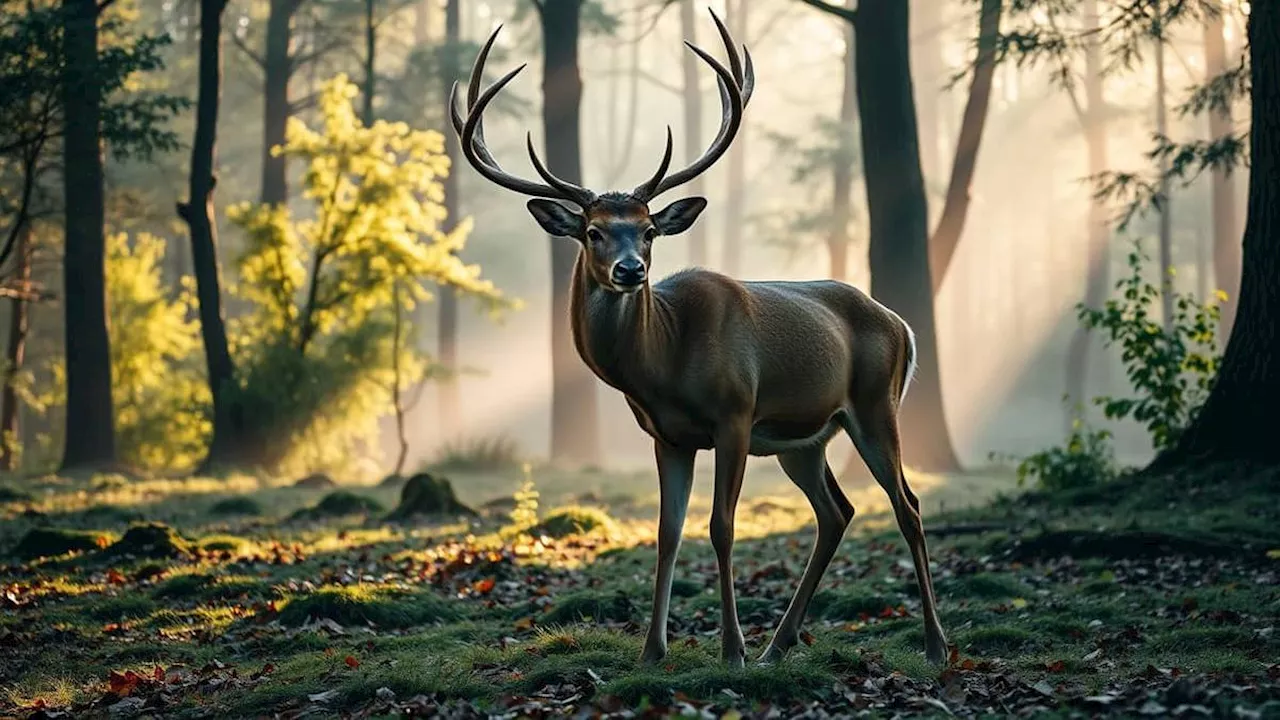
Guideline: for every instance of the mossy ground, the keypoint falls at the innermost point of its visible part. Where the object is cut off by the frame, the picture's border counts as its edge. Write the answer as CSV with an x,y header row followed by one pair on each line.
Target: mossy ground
x,y
262,617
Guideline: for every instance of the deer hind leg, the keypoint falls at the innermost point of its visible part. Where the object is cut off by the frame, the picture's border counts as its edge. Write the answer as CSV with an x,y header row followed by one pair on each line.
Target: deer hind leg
x,y
874,430
808,469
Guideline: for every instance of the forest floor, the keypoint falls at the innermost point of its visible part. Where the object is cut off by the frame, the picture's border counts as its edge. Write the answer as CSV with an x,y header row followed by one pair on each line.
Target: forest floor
x,y
1159,598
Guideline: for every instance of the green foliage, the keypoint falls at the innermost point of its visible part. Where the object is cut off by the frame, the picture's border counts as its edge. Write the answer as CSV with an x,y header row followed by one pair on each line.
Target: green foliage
x,y
573,520
1086,459
525,513
1171,370
364,604
315,352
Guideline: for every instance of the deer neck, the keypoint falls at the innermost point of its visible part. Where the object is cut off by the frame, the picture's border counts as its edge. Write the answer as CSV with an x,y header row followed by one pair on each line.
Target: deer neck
x,y
621,337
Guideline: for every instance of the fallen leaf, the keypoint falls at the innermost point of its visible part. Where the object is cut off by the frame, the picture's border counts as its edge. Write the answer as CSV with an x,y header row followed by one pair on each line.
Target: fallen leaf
x,y
351,662
524,623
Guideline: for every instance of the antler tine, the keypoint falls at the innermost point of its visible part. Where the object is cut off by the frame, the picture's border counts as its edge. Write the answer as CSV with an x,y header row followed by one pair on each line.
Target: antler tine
x,y
471,136
646,189
731,120
577,193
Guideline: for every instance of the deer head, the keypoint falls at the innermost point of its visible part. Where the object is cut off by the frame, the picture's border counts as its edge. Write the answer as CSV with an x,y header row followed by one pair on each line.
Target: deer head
x,y
616,229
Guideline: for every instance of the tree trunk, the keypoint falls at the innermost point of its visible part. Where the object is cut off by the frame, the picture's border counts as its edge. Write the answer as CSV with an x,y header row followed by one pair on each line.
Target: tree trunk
x,y
842,172
447,327
735,197
198,212
574,424
928,70
1237,422
692,99
898,210
19,323
90,425
277,68
1226,237
946,236
370,61
1166,207
1098,263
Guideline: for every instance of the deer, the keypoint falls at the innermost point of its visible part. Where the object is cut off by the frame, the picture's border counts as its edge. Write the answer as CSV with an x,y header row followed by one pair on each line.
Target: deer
x,y
707,362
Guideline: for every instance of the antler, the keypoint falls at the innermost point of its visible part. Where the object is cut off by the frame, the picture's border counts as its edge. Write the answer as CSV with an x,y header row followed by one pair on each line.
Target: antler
x,y
471,136
736,85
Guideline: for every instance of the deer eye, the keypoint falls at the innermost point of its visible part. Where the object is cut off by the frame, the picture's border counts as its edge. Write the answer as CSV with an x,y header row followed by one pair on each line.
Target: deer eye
x,y
594,235
650,234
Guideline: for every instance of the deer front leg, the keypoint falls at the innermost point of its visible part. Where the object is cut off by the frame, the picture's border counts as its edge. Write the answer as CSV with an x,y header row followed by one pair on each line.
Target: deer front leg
x,y
732,444
675,480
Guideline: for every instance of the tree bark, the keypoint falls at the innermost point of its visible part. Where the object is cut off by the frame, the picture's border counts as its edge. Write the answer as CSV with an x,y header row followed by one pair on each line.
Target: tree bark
x,y
1237,422
955,209
447,326
898,210
842,172
370,61
198,212
574,424
1098,279
1166,207
19,324
1226,236
692,99
735,196
90,424
277,69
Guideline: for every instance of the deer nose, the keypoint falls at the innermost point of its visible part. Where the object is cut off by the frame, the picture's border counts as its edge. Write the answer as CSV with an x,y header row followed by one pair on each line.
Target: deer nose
x,y
628,272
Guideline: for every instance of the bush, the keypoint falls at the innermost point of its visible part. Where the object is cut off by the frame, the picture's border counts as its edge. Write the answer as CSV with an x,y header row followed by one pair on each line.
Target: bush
x,y
1086,459
1171,370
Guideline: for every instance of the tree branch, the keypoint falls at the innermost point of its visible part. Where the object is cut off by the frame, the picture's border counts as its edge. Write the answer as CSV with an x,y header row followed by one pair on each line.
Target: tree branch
x,y
104,5
841,12
255,57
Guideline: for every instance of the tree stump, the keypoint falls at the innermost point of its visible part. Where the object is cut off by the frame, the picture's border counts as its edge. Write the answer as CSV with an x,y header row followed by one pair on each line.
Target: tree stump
x,y
426,494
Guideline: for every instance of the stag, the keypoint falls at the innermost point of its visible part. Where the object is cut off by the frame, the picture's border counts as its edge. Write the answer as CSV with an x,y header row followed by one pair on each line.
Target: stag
x,y
708,362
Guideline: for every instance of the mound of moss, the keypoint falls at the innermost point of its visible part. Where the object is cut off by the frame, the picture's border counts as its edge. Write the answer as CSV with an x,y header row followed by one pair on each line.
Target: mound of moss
x,y
52,542
237,505
13,495
574,520
338,504
393,481
316,481
426,494
150,540
363,604
588,605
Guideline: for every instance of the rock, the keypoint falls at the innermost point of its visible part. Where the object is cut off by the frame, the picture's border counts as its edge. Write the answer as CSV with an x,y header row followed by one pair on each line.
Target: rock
x,y
426,494
316,481
150,540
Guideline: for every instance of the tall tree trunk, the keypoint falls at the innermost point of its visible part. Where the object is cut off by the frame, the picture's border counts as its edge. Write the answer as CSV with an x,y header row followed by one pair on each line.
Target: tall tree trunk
x,y
370,61
574,424
228,433
928,70
1226,236
842,172
946,236
899,217
1098,278
692,99
19,324
1166,208
90,421
1237,422
447,327
736,12
277,68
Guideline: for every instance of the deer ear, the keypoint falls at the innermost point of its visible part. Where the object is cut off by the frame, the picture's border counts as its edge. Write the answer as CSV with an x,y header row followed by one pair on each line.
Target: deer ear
x,y
678,216
557,219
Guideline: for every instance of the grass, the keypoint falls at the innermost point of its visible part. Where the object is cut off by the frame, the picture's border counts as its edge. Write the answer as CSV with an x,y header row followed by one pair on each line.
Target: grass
x,y
343,606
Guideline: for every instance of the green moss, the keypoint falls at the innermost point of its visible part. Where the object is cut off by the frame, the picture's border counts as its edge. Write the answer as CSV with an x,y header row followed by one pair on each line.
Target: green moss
x,y
363,604
14,495
149,540
850,604
591,605
52,542
573,520
998,640
224,543
340,503
238,505
988,586
123,607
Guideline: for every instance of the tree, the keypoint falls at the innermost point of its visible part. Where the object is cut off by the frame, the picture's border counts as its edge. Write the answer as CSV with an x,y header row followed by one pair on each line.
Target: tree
x,y
198,212
1226,238
898,213
19,325
691,97
447,327
574,423
838,239
90,425
1237,421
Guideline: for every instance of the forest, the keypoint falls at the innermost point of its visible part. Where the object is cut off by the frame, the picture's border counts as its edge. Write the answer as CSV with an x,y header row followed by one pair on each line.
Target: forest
x,y
321,397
